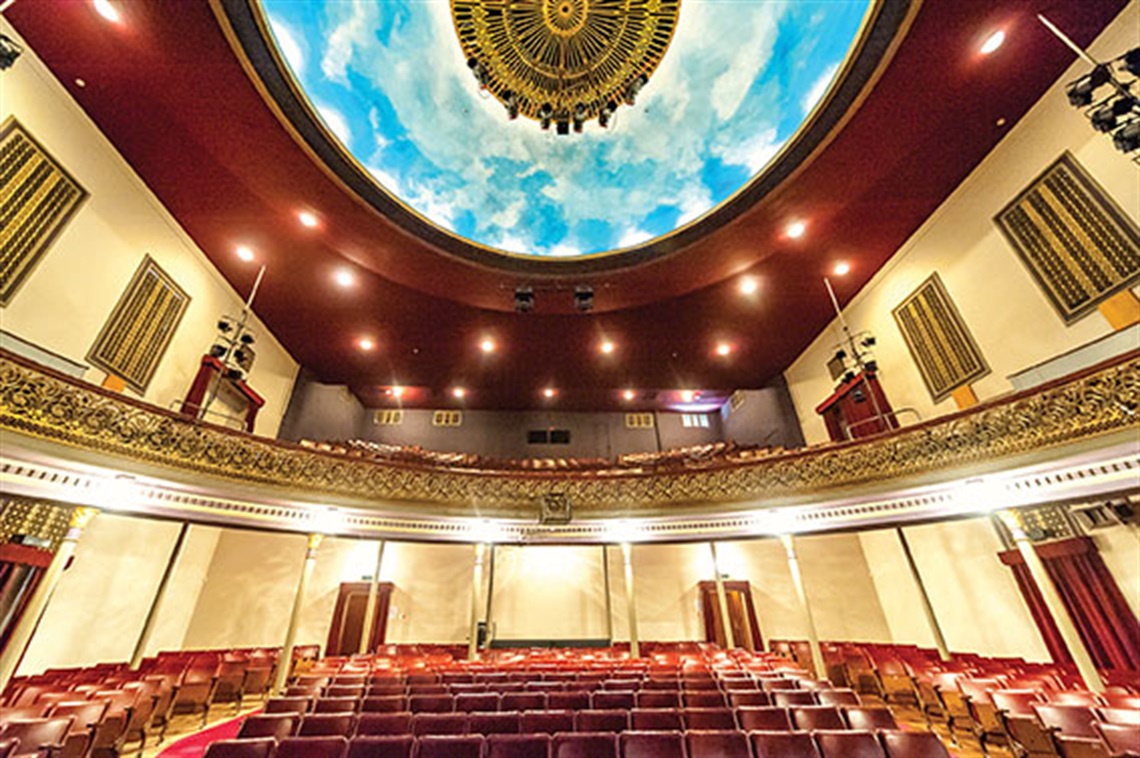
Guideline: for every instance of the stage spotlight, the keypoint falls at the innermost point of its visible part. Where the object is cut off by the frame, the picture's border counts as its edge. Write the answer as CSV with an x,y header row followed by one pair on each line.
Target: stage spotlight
x,y
1105,118
584,298
1130,61
524,299
1127,137
1080,92
512,103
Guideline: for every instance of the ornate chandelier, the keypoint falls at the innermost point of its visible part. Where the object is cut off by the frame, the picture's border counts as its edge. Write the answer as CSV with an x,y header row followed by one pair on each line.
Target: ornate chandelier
x,y
564,62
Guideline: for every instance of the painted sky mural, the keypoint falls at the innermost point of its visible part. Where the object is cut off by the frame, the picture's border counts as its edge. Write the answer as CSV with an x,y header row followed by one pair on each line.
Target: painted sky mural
x,y
389,80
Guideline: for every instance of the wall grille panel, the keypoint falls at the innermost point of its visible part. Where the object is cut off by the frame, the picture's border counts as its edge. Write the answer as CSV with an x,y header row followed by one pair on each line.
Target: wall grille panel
x,y
141,326
938,339
1078,244
37,199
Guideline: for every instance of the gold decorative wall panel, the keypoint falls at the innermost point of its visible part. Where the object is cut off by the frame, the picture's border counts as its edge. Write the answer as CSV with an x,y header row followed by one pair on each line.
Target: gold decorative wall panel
x,y
141,326
64,411
1078,244
938,339
34,518
37,199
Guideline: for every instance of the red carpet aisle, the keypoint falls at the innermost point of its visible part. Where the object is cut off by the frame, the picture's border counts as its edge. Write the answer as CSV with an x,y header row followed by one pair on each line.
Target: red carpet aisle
x,y
194,745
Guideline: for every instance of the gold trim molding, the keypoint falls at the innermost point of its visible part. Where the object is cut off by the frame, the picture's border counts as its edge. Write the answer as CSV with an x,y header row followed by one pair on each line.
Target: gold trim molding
x,y
47,406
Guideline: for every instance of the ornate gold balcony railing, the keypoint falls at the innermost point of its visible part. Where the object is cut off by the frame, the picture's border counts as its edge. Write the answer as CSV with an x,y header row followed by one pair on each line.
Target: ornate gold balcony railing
x,y
41,404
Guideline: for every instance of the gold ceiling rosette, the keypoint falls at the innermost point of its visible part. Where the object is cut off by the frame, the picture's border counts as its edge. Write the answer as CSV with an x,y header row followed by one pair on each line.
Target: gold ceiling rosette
x,y
564,62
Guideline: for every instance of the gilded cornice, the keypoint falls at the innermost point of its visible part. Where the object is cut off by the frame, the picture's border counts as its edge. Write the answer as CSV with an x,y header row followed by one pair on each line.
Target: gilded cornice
x,y
41,404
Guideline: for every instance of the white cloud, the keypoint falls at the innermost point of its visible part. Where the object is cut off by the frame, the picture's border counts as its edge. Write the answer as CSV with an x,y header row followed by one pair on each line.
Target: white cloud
x,y
509,217
819,88
288,44
634,236
336,122
563,250
754,152
352,30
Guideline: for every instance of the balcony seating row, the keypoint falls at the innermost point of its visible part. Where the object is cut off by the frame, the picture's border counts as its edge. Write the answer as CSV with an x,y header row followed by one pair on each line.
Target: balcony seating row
x,y
667,744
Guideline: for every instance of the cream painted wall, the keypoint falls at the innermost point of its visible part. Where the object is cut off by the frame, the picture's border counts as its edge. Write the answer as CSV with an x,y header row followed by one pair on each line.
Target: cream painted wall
x,y
99,607
1120,548
67,298
974,596
432,598
549,593
184,588
1011,320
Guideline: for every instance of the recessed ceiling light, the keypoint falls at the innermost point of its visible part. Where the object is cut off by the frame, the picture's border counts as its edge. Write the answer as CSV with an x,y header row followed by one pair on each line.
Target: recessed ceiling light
x,y
993,42
549,392
458,393
749,285
487,345
344,278
842,268
244,253
607,347
397,391
307,219
723,348
80,83
796,229
366,343
628,395
687,396
107,11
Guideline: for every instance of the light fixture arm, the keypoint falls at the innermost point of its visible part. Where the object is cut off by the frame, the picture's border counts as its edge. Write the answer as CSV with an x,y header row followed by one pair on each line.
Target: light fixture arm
x,y
856,354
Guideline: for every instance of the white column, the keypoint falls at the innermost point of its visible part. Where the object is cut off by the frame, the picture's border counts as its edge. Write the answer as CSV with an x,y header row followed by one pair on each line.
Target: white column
x,y
722,601
37,603
1053,602
609,600
927,608
627,555
373,600
798,583
156,603
285,662
476,586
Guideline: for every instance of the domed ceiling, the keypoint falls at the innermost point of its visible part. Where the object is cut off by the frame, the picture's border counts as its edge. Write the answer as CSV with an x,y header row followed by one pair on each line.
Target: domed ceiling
x,y
390,81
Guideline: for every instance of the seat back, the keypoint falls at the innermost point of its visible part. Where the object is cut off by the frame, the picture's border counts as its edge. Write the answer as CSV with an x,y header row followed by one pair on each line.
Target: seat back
x,y
704,699
379,724
837,697
275,725
35,732
612,720
656,719
766,718
1070,720
717,744
431,703
288,705
811,717
913,745
258,748
1074,697
327,725
708,718
749,698
583,745
8,747
546,722
869,719
659,699
384,704
312,747
494,723
1015,702
787,698
439,723
477,701
783,745
523,701
1125,716
84,713
386,746
450,746
651,745
336,705
517,746
1120,739
848,744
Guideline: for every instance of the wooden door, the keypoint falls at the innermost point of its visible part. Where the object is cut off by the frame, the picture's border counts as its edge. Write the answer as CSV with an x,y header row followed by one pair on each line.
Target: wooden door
x,y
348,618
741,615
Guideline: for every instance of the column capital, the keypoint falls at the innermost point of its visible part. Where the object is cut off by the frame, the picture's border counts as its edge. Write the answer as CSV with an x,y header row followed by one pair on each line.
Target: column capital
x,y
315,541
789,543
81,517
1013,521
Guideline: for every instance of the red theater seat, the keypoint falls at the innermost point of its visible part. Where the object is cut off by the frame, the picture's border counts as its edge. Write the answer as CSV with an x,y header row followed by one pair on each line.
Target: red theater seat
x,y
384,704
34,734
848,744
494,723
913,745
275,725
546,722
837,697
8,747
656,719
765,718
817,717
717,744
651,745
1125,716
601,721
658,699
583,745
390,746
312,747
708,718
1120,739
608,700
439,723
384,723
259,748
788,698
517,746
750,699
336,705
869,719
1074,697
477,701
450,746
288,705
783,745
574,700
327,725
704,699
523,701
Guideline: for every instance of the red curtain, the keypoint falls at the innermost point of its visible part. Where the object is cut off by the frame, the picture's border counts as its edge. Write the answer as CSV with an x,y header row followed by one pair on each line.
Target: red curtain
x,y
1105,622
21,568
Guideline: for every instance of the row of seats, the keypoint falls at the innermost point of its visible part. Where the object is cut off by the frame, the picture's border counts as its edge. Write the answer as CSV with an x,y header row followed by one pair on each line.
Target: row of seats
x,y
767,718
697,744
520,701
